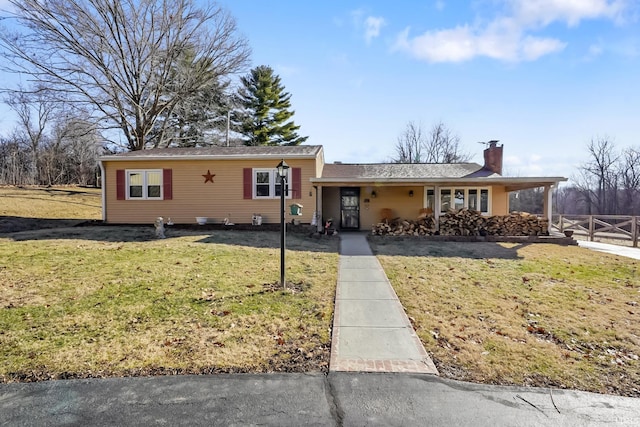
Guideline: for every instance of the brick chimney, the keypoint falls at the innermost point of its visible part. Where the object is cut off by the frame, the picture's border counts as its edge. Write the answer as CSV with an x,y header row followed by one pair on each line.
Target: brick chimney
x,y
493,157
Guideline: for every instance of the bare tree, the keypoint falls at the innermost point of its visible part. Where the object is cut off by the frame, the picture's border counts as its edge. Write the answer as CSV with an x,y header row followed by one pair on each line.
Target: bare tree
x,y
443,146
629,172
75,149
598,178
13,161
409,145
440,145
125,58
34,111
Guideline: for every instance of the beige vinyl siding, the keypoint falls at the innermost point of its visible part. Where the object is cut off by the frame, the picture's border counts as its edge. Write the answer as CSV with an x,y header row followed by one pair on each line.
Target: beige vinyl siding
x,y
192,197
395,198
499,201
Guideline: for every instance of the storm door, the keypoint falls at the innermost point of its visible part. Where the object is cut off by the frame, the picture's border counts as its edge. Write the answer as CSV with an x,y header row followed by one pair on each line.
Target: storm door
x,y
350,208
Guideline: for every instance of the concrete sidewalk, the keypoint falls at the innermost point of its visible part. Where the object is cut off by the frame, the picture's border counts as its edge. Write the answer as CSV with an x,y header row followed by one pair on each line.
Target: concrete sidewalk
x,y
625,251
371,332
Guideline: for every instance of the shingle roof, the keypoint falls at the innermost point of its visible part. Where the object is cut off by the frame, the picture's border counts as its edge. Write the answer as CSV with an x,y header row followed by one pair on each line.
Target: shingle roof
x,y
309,151
403,171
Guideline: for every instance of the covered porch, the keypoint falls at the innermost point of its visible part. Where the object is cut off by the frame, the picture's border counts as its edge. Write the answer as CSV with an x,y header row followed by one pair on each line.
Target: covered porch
x,y
359,205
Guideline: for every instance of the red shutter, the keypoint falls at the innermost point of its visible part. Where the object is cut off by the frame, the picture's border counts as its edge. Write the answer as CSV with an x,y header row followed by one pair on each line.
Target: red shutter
x,y
296,183
120,185
247,183
167,183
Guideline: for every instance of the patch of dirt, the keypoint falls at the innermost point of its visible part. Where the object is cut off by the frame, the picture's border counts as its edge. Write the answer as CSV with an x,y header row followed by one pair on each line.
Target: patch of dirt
x,y
294,288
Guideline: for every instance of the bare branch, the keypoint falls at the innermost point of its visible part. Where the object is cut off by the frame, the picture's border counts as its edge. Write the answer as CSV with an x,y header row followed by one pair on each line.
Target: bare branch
x,y
440,145
119,57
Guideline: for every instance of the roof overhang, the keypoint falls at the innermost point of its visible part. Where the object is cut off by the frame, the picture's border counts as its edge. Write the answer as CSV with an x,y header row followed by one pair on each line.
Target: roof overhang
x,y
510,184
205,157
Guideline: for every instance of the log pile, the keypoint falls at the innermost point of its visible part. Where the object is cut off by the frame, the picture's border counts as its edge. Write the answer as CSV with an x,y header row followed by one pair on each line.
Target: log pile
x,y
465,223
424,226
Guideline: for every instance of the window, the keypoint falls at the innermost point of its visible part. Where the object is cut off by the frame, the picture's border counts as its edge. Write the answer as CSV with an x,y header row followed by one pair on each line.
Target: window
x,y
430,200
458,201
266,184
476,199
144,184
445,200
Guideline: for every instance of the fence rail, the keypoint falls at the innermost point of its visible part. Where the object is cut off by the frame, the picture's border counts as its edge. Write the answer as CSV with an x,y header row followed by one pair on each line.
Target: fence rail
x,y
620,227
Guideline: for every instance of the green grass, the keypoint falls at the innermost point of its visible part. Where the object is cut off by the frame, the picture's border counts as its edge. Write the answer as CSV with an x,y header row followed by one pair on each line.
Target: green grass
x,y
537,314
109,301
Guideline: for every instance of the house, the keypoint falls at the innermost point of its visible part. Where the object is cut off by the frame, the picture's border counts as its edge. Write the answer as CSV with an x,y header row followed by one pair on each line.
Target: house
x,y
239,183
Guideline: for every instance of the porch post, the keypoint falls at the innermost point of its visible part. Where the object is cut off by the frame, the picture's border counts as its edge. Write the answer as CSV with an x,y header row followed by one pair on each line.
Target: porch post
x,y
547,207
319,225
436,206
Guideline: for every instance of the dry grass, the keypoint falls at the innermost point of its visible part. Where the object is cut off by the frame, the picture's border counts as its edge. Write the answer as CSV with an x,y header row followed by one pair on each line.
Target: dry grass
x,y
51,203
110,301
538,314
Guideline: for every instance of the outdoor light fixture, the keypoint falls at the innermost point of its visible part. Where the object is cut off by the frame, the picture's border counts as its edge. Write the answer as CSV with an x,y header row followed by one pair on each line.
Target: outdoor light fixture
x,y
373,194
282,173
410,193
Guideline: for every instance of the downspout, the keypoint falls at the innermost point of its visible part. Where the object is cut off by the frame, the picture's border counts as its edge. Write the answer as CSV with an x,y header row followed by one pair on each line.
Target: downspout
x,y
103,182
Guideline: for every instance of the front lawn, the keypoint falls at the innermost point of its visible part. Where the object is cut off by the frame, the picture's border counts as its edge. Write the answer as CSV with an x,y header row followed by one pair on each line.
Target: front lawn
x,y
537,314
112,301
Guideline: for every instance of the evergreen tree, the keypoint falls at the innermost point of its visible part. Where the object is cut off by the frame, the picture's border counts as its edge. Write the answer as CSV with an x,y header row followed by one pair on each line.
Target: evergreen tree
x,y
265,115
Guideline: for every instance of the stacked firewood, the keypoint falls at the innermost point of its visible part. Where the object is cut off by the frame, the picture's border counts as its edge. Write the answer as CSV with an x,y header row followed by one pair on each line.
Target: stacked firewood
x,y
472,223
466,223
424,226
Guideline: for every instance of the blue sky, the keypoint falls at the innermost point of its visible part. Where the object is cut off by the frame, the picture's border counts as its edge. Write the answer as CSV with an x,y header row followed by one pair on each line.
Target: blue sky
x,y
541,76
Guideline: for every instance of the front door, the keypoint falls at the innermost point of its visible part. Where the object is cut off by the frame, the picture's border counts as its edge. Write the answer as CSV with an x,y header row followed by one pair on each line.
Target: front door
x,y
350,208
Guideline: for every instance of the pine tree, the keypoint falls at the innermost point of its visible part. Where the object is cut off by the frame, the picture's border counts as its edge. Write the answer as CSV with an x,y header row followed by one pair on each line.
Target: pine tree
x,y
265,115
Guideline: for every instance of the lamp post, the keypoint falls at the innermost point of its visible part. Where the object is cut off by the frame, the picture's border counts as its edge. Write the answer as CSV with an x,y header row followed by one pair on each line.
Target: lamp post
x,y
282,173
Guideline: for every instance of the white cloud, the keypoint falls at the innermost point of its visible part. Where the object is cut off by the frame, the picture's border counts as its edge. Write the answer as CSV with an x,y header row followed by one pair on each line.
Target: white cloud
x,y
440,4
533,48
368,24
571,12
465,43
509,37
373,25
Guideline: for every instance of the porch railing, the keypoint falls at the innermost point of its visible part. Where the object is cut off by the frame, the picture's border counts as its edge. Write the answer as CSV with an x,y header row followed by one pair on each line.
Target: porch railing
x,y
616,227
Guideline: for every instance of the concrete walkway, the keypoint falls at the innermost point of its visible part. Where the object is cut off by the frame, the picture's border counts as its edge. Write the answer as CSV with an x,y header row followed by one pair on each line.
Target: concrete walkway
x,y
625,251
371,332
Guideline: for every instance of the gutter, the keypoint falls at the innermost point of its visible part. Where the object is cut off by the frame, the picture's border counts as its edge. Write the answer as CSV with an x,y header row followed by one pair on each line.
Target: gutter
x,y
452,181
203,157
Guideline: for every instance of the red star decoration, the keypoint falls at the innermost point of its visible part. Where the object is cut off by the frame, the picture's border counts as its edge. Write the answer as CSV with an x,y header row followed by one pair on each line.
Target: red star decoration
x,y
208,177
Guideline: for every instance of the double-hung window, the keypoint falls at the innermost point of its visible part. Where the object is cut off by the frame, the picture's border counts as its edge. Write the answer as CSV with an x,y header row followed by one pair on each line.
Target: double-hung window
x,y
266,184
144,184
